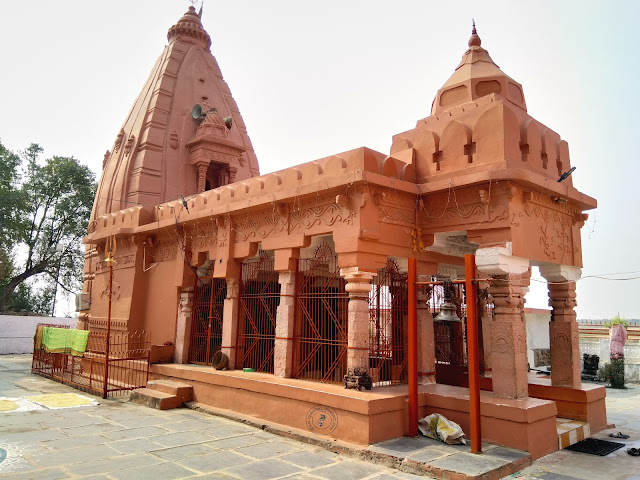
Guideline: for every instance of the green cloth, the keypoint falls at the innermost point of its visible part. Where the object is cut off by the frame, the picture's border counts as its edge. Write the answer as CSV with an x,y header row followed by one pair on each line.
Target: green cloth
x,y
65,340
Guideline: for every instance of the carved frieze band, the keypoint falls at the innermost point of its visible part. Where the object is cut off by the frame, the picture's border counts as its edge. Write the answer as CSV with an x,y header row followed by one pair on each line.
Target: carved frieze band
x,y
554,229
259,226
120,261
476,212
162,250
203,239
328,214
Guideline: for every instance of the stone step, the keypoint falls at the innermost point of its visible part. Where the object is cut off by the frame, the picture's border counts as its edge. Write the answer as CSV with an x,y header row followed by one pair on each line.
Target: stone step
x,y
181,390
571,431
155,399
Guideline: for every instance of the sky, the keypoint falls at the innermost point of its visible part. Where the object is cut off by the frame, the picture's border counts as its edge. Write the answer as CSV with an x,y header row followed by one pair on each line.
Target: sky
x,y
314,79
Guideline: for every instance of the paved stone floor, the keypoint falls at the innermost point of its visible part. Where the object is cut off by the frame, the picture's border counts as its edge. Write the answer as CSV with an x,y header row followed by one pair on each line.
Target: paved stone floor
x,y
623,410
119,440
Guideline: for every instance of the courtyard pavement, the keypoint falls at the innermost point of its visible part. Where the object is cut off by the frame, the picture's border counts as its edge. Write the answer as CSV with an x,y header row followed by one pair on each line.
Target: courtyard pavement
x,y
119,440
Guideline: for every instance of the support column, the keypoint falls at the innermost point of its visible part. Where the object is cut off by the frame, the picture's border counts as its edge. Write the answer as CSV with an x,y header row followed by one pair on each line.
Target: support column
x,y
183,326
509,275
358,286
426,343
230,321
563,328
509,336
283,350
485,324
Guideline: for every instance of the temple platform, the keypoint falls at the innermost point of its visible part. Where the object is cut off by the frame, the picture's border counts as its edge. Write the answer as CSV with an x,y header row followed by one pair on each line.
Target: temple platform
x,y
370,417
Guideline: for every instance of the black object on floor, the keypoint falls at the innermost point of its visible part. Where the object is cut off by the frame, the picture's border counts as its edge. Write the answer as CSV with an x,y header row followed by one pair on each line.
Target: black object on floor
x,y
594,446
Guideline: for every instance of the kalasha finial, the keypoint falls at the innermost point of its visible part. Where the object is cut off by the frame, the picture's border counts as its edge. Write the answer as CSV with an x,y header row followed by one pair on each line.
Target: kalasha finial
x,y
474,41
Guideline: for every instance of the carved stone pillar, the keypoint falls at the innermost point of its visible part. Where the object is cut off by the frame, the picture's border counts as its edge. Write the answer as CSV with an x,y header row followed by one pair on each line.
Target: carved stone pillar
x,y
202,177
183,326
485,322
563,328
507,330
509,336
230,321
426,345
283,350
358,286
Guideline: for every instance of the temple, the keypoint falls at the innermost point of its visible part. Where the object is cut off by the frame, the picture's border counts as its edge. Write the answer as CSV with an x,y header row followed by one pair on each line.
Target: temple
x,y
300,276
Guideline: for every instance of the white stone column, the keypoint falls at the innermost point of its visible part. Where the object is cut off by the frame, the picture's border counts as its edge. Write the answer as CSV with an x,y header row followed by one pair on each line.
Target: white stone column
x,y
183,326
230,321
563,327
283,350
358,286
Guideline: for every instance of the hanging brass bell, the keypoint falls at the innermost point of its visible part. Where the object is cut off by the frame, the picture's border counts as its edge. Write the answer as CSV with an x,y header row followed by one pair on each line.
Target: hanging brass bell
x,y
447,313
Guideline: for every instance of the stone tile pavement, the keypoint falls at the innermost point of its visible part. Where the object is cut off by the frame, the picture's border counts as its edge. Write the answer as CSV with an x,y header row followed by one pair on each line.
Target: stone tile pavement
x,y
623,410
119,440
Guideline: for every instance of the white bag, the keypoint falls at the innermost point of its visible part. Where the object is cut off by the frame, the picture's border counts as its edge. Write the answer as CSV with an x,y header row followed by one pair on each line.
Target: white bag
x,y
438,427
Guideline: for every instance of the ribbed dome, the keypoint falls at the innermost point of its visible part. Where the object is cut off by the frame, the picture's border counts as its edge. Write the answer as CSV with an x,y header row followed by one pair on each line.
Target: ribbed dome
x,y
190,26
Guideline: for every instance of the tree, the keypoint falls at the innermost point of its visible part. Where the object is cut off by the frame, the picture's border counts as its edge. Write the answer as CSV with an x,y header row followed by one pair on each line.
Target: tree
x,y
42,222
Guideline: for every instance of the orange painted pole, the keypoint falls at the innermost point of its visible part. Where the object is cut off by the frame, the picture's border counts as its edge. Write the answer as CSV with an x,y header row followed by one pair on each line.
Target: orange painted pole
x,y
412,354
472,352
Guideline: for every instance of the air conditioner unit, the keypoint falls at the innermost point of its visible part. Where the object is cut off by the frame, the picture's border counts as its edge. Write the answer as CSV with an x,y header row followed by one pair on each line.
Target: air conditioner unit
x,y
82,301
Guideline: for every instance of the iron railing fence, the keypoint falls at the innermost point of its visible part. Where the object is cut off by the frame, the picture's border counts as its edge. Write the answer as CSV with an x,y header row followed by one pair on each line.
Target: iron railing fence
x,y
128,364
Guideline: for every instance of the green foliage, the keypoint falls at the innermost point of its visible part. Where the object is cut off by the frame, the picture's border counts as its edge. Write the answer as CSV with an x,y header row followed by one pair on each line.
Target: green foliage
x,y
613,373
617,320
44,211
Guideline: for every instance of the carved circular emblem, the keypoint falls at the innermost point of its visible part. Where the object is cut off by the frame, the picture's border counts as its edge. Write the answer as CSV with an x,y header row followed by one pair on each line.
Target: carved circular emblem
x,y
322,420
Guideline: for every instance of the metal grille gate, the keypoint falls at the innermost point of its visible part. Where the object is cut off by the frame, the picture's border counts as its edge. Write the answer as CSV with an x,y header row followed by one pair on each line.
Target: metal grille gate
x,y
206,324
321,319
388,316
259,300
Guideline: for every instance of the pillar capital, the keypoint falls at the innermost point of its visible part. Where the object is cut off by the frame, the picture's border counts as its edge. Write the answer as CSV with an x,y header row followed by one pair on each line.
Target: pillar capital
x,y
500,261
358,281
233,288
560,273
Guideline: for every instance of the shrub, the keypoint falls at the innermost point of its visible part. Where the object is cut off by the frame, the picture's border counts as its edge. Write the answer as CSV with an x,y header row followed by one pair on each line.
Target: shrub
x,y
617,320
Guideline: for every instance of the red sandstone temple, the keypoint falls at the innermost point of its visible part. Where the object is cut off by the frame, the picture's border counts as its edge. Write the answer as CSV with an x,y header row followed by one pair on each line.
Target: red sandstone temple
x,y
301,274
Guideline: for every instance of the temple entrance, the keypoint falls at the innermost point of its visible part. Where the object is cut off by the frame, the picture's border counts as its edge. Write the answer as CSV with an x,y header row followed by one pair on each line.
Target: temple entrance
x,y
321,319
450,339
388,316
206,324
259,299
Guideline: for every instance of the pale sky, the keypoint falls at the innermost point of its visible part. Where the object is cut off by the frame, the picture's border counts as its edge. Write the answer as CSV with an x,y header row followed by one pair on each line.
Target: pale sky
x,y
314,79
